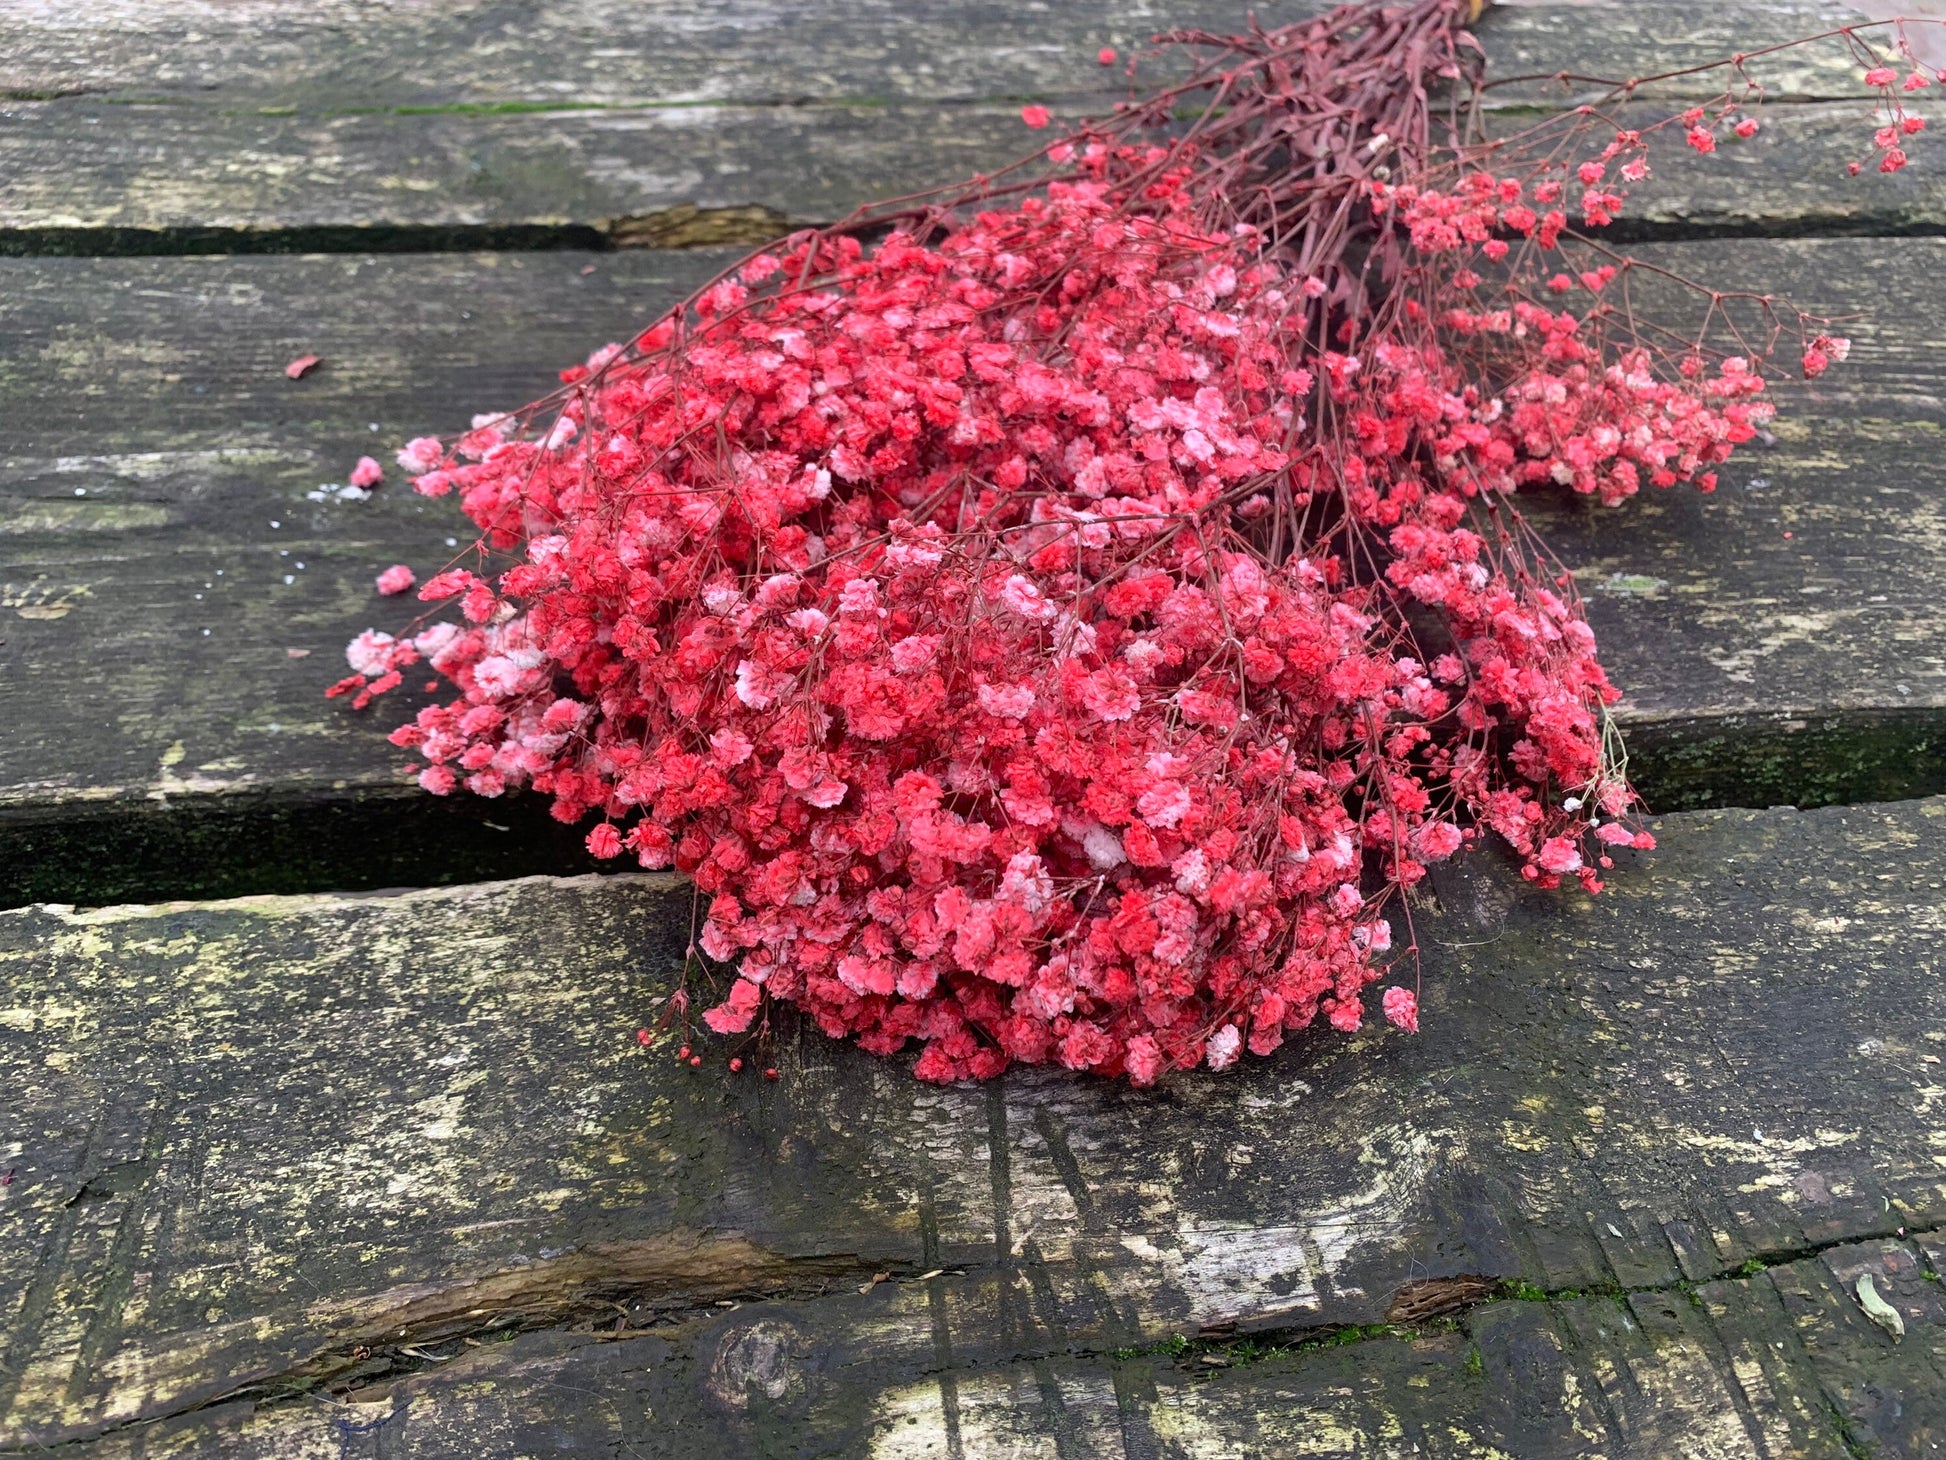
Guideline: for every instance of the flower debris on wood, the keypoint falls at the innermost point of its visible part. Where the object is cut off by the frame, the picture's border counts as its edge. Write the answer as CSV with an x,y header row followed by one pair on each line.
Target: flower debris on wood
x,y
1059,618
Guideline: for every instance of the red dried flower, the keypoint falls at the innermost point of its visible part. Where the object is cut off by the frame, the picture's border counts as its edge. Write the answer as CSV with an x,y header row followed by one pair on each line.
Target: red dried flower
x,y
1060,630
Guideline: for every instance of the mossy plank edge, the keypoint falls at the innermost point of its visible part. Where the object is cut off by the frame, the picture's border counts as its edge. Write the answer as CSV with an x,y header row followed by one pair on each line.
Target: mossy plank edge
x,y
1778,642
265,1147
325,57
98,177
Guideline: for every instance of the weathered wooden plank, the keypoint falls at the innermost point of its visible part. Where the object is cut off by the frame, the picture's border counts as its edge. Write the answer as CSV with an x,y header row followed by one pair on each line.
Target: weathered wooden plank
x,y
337,56
146,757
290,130
190,183
286,120
1622,41
330,57
295,1146
172,598
1725,1372
464,179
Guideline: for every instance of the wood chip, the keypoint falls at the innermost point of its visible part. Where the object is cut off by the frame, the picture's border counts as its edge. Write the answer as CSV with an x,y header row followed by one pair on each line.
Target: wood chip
x,y
1877,1309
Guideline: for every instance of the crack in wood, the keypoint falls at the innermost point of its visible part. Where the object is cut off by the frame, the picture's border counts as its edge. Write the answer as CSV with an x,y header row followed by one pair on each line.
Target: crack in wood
x,y
695,225
673,1279
578,1286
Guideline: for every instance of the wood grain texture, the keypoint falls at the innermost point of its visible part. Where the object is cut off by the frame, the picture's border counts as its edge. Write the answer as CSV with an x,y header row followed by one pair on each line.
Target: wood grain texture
x,y
327,126
338,56
194,183
157,464
146,757
272,1162
1778,1364
190,183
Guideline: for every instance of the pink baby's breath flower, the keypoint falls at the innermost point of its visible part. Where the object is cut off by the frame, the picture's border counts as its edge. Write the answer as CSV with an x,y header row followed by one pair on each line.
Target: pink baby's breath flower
x,y
1221,1051
735,1013
1007,702
1143,1060
371,652
1110,695
1559,855
396,579
914,653
1035,115
366,474
421,454
1402,1008
1024,597
1164,804
758,685
1437,840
